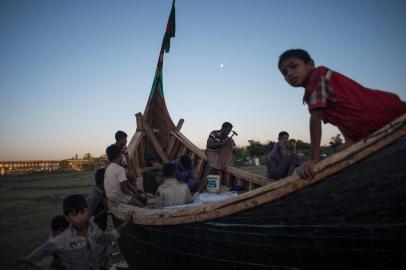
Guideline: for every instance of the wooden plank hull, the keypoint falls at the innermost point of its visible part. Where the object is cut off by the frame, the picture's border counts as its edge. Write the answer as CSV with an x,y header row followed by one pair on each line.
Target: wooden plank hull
x,y
355,219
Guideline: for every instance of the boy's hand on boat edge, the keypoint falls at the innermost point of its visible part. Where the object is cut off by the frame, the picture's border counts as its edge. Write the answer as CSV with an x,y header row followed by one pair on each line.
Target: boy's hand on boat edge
x,y
306,172
128,217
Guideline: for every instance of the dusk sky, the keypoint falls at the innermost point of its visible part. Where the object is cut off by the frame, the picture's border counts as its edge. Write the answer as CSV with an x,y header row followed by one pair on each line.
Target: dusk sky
x,y
75,72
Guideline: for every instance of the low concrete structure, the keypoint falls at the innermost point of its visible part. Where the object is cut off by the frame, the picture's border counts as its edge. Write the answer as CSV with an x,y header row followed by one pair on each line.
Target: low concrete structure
x,y
20,166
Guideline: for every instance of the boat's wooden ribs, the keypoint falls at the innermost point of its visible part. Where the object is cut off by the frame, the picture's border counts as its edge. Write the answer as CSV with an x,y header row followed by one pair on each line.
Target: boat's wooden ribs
x,y
174,153
172,140
229,178
199,167
179,145
154,141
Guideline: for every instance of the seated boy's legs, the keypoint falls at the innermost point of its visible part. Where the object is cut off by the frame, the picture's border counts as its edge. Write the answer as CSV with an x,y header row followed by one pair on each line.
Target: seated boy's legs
x,y
127,199
283,168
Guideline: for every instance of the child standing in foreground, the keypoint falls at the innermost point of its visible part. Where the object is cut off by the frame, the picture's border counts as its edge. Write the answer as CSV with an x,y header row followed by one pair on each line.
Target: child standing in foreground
x,y
82,245
58,225
357,111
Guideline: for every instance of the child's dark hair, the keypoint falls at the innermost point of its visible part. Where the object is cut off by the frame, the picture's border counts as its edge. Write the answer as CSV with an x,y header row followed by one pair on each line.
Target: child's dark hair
x,y
113,151
226,125
73,204
169,169
59,223
298,53
99,176
186,161
282,133
120,135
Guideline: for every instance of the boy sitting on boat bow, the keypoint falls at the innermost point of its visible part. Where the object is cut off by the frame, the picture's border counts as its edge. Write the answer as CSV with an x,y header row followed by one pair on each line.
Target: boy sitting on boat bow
x,y
333,98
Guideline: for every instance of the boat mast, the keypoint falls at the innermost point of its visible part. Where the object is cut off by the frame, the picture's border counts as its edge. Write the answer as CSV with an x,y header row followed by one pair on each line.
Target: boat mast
x,y
156,112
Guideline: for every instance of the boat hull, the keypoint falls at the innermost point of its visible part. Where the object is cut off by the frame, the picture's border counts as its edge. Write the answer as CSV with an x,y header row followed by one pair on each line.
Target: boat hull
x,y
355,219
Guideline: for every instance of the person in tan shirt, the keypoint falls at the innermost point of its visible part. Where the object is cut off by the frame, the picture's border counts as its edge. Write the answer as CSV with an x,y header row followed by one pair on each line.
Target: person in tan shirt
x,y
219,150
172,191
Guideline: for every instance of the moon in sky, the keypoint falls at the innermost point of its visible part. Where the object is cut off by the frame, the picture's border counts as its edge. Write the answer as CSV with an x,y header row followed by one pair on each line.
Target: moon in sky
x,y
221,65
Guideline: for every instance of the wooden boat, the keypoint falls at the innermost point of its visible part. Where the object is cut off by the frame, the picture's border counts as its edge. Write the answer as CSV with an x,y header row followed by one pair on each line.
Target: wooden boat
x,y
351,215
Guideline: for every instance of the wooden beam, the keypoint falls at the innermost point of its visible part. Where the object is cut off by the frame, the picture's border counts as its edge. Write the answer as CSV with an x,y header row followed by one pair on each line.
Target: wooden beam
x,y
153,167
183,150
193,157
172,141
153,140
136,164
175,150
257,179
227,179
189,145
134,143
198,168
138,118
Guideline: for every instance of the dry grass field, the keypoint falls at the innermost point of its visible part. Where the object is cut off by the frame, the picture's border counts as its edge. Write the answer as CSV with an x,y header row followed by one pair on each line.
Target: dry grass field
x,y
27,204
29,201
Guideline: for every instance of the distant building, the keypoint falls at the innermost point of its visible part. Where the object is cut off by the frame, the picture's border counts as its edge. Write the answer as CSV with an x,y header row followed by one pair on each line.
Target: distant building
x,y
9,167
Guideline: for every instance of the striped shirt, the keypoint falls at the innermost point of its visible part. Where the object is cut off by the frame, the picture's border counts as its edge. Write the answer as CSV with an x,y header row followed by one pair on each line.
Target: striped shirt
x,y
216,136
172,192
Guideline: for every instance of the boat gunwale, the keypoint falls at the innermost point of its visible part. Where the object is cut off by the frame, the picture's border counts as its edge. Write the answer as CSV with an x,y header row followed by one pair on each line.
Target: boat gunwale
x,y
274,190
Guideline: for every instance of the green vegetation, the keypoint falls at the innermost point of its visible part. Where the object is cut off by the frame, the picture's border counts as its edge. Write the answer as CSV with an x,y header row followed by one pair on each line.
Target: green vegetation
x,y
261,150
260,170
27,204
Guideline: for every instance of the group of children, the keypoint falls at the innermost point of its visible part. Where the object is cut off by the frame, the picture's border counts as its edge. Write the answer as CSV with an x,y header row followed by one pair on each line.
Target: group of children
x,y
79,239
77,242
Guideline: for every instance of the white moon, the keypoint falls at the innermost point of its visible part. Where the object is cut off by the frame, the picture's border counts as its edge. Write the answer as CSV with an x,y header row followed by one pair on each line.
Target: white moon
x,y
221,65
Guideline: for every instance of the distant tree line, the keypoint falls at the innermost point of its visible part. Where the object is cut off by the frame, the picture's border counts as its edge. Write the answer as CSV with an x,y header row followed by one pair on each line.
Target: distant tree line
x,y
254,149
261,150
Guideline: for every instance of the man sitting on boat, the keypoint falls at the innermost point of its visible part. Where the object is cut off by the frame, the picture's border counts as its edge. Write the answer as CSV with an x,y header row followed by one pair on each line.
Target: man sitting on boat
x,y
219,150
185,171
280,164
172,191
118,188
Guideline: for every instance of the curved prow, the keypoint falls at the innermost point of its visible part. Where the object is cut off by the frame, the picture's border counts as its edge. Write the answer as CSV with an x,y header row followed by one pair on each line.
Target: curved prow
x,y
156,113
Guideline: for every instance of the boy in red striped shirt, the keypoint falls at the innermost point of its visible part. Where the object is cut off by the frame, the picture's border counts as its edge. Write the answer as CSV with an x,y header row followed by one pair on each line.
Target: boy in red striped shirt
x,y
356,110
